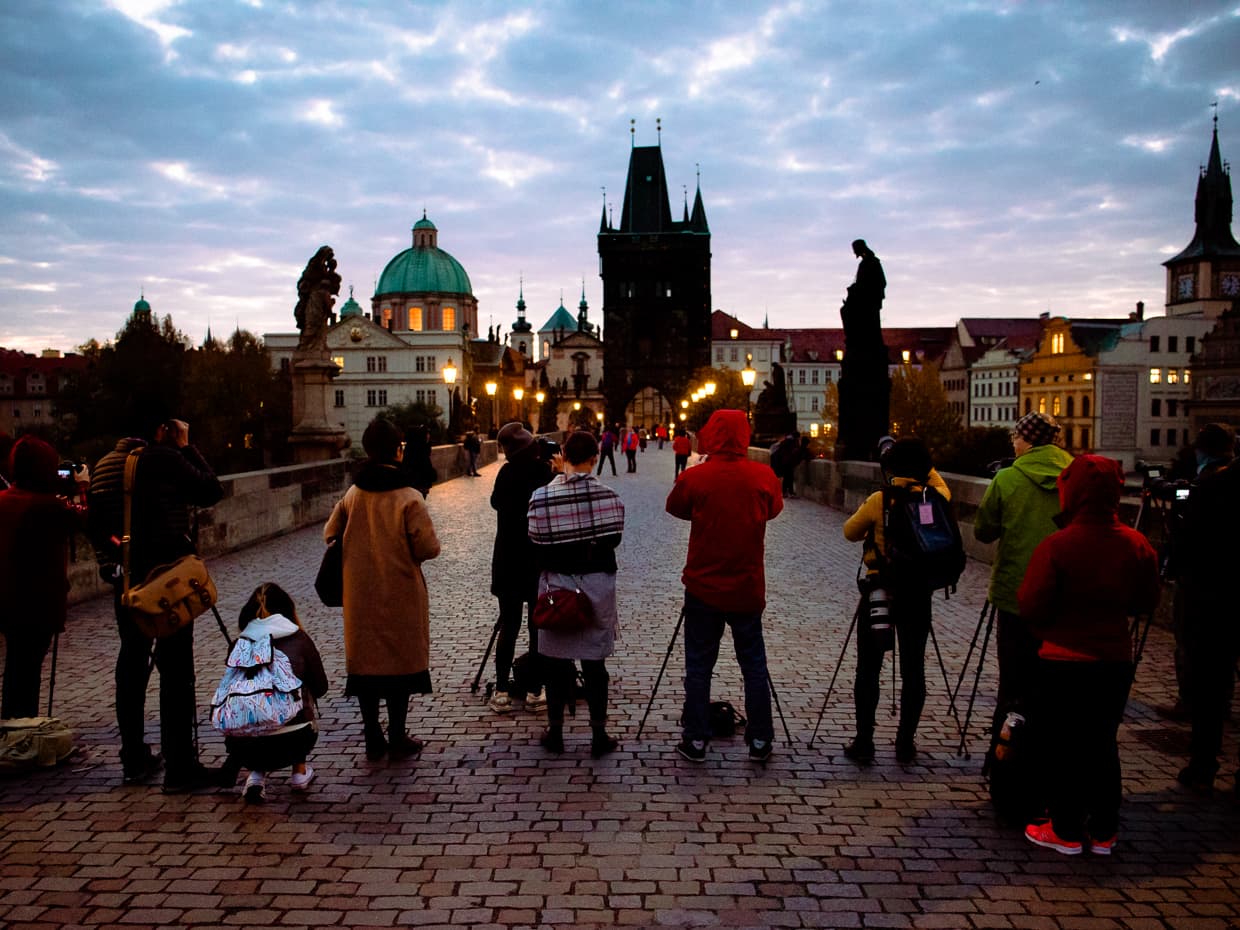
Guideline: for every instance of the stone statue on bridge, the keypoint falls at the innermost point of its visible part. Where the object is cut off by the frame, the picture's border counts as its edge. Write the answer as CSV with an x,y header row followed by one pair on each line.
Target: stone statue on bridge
x,y
316,294
865,387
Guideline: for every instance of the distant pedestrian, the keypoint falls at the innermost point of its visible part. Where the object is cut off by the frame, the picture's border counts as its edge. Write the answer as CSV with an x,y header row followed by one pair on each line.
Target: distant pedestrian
x,y
576,524
682,448
269,614
1082,584
660,434
35,529
514,569
386,534
606,450
728,501
644,436
472,446
1018,510
630,450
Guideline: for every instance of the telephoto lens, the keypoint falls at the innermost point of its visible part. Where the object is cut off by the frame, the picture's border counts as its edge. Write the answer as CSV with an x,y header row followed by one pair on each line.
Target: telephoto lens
x,y
880,619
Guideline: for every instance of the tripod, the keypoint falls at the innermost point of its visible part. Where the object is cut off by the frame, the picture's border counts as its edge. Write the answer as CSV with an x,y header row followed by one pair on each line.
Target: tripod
x,y
985,618
663,668
473,689
861,606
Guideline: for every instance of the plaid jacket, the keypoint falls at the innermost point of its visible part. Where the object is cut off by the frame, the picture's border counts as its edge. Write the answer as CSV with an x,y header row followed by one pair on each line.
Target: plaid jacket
x,y
576,522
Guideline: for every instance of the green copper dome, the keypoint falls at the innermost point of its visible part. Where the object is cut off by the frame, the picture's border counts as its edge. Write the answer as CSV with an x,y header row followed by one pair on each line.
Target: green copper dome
x,y
424,268
560,320
142,306
350,307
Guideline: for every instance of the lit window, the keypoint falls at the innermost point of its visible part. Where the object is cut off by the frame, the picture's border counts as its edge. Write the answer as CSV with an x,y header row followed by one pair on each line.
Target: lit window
x,y
906,356
1088,376
1042,404
449,318
813,430
839,355
415,319
339,360
1173,376
1057,342
1155,376
1188,376
1055,406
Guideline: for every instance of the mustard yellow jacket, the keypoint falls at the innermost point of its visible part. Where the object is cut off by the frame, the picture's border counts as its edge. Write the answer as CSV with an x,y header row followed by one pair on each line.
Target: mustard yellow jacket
x,y
867,523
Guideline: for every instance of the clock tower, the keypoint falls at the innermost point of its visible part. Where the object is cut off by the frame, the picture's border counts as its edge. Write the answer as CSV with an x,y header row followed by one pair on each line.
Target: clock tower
x,y
1204,279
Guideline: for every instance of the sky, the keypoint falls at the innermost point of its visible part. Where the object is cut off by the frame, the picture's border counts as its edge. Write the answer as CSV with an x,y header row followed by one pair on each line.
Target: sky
x,y
1001,158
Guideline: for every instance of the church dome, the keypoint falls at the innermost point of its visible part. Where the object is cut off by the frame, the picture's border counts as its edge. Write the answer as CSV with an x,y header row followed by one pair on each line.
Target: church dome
x,y
350,307
142,306
424,268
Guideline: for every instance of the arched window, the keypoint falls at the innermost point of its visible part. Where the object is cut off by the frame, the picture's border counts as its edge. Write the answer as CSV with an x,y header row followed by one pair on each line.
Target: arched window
x,y
1071,406
415,319
1042,404
1055,406
1084,413
449,318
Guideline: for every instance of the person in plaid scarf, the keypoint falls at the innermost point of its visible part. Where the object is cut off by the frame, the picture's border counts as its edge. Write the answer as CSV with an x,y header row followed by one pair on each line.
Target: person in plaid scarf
x,y
575,524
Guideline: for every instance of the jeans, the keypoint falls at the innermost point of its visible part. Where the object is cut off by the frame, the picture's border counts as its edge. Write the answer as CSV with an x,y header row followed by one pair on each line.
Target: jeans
x,y
1078,709
682,462
269,753
24,652
174,658
631,455
511,610
910,615
704,627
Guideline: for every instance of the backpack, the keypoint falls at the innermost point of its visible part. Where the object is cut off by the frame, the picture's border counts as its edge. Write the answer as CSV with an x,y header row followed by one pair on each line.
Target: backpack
x,y
921,539
259,691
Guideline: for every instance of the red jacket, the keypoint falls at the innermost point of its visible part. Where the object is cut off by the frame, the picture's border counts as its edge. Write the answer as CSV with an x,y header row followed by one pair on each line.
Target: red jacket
x,y
1086,580
729,500
681,444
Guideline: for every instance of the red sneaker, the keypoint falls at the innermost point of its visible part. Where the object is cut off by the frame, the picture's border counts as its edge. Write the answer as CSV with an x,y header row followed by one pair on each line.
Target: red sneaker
x,y
1102,847
1043,834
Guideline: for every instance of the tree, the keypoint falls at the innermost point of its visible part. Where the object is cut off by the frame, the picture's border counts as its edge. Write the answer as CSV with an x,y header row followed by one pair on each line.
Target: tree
x,y
409,416
919,407
730,394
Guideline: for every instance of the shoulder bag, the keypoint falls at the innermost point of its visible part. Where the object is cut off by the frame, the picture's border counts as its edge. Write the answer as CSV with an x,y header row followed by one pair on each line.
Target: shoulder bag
x,y
564,610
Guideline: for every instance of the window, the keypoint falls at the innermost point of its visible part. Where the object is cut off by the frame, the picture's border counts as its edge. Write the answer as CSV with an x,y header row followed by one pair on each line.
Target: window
x,y
1057,342
419,397
801,376
734,355
1156,407
285,365
1154,343
1155,437
387,317
906,356
1190,344
1173,376
1155,376
372,398
1187,376
449,318
546,348
1028,405
1042,404
415,319
1055,406
339,398
430,360
1173,343
419,363
1084,437
383,398
1067,437
1171,437
1185,440
814,403
430,397
1084,411
38,412
376,363
1071,406
1171,407
719,354
813,377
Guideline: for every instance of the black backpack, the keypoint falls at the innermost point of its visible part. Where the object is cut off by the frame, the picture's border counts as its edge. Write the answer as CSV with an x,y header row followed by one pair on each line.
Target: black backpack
x,y
921,539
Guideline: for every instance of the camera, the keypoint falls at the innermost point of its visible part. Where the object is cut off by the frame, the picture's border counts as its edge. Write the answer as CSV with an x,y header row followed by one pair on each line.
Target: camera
x,y
877,613
548,448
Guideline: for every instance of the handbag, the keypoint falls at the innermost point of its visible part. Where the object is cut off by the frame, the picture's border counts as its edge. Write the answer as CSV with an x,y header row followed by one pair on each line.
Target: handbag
x,y
172,595
563,610
329,582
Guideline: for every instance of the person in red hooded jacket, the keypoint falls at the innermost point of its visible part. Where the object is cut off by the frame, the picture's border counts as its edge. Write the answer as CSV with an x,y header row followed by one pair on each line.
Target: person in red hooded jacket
x,y
728,500
1082,585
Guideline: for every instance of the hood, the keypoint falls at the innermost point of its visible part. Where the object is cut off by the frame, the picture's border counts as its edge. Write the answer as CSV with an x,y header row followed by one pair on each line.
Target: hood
x,y
1042,465
275,626
374,476
1091,486
725,433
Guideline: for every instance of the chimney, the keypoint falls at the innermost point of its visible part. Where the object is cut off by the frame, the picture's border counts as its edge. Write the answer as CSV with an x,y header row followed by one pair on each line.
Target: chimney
x,y
1140,309
1044,316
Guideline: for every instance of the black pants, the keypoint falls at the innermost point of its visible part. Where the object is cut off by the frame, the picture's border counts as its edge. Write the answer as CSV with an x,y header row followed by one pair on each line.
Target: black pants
x,y
910,614
1214,647
787,478
631,455
560,675
682,462
1078,707
24,652
511,611
174,658
269,753
1018,664
606,455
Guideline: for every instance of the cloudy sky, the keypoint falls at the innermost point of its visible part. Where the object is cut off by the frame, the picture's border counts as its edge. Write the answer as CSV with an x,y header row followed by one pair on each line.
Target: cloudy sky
x,y
1002,158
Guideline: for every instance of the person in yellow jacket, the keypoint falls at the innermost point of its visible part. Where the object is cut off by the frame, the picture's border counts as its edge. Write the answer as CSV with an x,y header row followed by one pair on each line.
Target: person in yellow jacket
x,y
906,463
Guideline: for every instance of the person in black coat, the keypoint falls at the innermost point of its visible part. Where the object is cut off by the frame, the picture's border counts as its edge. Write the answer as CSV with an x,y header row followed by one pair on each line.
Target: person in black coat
x,y
514,570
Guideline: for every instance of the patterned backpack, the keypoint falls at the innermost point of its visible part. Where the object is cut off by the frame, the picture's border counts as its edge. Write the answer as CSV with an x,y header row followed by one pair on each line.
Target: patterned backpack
x,y
259,691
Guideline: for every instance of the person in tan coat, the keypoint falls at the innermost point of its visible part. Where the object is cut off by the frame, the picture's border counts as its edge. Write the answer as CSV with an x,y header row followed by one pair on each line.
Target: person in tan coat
x,y
386,534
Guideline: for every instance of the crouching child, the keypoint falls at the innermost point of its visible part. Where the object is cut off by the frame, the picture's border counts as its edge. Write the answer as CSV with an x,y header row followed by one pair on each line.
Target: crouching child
x,y
1082,585
265,703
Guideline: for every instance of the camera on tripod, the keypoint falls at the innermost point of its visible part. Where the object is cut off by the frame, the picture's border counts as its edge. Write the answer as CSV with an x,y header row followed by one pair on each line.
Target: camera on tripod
x,y
1158,486
876,612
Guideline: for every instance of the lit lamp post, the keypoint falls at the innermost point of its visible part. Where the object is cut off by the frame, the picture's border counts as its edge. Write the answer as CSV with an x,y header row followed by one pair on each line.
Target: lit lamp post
x,y
540,397
710,387
449,378
518,394
748,377
492,387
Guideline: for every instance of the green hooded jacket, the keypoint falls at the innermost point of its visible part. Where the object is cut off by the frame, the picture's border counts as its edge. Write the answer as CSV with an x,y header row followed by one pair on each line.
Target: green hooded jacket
x,y
1018,509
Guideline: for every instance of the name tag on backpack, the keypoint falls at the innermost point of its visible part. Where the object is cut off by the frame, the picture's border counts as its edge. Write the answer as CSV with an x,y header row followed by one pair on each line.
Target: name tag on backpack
x,y
925,514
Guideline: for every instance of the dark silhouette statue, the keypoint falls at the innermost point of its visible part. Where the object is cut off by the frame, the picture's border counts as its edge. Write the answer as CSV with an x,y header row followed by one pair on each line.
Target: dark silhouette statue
x,y
865,387
316,293
771,416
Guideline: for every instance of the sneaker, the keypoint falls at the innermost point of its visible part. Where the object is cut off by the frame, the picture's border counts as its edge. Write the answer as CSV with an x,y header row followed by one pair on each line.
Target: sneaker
x,y
860,751
603,745
537,701
906,751
404,747
1102,847
256,788
1197,780
144,770
692,749
500,702
195,778
552,740
1043,834
760,750
300,781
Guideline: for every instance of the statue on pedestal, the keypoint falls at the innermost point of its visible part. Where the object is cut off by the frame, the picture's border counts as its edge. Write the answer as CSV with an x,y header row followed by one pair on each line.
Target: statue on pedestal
x,y
772,418
316,294
865,387
313,437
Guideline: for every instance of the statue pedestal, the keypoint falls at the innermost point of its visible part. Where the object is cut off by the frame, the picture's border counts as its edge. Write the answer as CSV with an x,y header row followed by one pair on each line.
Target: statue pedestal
x,y
314,439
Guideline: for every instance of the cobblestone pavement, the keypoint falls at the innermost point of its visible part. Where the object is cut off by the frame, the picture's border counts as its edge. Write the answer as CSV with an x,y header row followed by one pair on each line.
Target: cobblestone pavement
x,y
484,830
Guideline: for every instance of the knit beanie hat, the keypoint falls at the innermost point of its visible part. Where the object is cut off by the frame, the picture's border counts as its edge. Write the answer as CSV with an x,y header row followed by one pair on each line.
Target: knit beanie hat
x,y
1037,429
513,437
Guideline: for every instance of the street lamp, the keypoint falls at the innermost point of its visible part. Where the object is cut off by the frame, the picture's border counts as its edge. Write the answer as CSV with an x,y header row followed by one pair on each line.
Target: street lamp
x,y
449,378
710,388
492,387
518,394
748,377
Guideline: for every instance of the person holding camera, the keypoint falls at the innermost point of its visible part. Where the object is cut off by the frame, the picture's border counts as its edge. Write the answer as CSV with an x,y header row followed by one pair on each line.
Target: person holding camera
x,y
172,478
728,500
36,525
1210,553
1018,510
514,567
890,606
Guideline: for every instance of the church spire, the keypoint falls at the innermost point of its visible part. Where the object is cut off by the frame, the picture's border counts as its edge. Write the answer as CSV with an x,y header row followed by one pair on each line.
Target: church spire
x,y
1213,208
697,222
521,326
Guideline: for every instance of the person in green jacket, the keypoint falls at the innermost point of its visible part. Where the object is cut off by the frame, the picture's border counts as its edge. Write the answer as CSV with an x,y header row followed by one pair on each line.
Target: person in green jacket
x,y
1018,510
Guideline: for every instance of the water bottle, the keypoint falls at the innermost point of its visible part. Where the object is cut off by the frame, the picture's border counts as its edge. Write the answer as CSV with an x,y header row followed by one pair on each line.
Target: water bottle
x,y
1011,723
880,619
